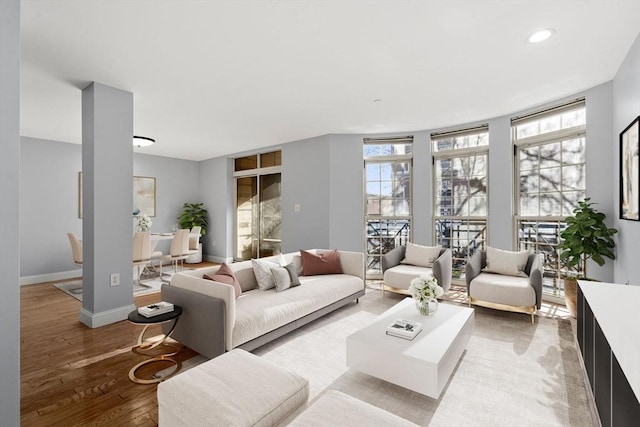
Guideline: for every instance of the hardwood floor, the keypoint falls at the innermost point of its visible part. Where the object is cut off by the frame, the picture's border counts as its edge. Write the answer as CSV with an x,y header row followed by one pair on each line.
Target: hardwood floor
x,y
72,375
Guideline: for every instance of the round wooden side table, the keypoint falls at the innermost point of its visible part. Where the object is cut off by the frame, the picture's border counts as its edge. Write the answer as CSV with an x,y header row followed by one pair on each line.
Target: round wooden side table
x,y
143,347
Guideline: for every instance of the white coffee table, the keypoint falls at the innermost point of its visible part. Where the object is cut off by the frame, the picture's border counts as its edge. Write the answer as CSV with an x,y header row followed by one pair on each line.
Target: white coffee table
x,y
424,364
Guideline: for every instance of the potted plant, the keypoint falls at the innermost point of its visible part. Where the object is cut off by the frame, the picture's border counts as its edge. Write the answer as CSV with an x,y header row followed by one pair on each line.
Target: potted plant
x,y
586,237
193,214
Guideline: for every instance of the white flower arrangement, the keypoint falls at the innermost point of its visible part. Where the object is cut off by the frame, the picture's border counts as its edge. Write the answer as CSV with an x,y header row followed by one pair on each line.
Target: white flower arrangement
x,y
425,288
144,222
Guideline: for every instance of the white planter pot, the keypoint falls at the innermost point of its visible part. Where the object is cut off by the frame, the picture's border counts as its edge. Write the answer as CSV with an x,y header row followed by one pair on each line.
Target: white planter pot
x,y
195,258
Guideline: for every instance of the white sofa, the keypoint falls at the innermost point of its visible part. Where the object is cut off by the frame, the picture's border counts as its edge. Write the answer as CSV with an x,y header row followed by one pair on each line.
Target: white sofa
x,y
214,320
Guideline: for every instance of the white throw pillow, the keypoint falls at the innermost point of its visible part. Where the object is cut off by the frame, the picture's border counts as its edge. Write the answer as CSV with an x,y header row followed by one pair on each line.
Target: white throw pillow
x,y
422,256
262,271
508,263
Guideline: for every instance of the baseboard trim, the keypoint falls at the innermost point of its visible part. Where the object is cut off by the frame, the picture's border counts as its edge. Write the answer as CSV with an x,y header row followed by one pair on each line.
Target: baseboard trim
x,y
218,259
96,320
50,277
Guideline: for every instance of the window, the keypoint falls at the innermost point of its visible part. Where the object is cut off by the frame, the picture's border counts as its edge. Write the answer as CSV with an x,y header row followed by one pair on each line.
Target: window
x,y
460,160
258,214
549,149
387,179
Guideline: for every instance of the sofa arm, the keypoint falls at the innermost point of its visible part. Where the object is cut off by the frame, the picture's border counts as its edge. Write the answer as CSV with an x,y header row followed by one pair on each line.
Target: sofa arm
x,y
473,268
442,269
535,277
393,257
201,326
352,263
222,291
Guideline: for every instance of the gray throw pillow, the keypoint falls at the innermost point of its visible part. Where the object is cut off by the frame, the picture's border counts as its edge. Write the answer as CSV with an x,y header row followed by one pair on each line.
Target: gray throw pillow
x,y
285,277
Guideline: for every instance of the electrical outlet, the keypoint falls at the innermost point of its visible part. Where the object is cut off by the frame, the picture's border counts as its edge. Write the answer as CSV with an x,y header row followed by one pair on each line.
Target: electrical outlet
x,y
115,279
296,207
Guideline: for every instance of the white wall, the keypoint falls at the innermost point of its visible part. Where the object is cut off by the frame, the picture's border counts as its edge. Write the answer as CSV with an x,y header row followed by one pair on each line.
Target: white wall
x,y
49,202
626,107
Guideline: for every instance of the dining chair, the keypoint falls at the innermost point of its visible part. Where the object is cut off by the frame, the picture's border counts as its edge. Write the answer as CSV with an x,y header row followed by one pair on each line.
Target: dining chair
x,y
141,253
178,252
194,241
76,249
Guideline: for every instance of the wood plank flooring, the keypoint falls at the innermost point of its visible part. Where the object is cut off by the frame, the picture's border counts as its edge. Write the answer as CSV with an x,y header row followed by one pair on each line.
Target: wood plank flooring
x,y
72,375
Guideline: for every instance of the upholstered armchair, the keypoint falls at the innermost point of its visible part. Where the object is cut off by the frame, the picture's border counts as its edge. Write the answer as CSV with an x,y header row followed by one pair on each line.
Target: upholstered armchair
x,y
519,292
397,273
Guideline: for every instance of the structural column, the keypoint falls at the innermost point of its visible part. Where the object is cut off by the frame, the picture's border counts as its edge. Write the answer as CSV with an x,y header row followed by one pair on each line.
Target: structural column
x,y
107,200
9,213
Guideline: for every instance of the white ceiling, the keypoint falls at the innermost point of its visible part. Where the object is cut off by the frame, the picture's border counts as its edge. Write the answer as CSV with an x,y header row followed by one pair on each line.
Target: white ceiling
x,y
211,78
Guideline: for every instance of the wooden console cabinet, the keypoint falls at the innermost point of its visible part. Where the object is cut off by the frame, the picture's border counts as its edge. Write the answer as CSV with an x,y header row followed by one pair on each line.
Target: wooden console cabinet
x,y
608,334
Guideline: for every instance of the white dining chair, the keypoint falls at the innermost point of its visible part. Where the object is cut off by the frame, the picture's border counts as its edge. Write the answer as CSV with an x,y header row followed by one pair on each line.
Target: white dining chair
x,y
178,252
76,249
141,253
194,241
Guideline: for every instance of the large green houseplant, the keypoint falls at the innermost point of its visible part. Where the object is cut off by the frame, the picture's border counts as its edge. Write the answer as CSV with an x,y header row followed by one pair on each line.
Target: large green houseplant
x,y
586,237
193,214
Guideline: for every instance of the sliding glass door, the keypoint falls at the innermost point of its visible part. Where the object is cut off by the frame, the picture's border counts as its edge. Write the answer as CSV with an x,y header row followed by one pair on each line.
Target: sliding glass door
x,y
258,208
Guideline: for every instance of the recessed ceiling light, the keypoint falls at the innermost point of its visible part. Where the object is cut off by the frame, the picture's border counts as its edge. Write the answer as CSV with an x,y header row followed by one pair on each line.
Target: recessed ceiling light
x,y
540,36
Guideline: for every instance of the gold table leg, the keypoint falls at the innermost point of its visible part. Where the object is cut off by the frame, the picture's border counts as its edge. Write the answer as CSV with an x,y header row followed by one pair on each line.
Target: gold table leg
x,y
154,379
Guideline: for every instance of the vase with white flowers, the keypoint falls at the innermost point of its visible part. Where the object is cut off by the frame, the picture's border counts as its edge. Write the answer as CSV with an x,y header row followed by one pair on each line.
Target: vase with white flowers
x,y
425,291
143,222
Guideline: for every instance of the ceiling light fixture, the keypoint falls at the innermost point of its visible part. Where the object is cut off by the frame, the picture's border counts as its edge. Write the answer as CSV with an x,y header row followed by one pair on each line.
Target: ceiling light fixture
x,y
142,141
540,36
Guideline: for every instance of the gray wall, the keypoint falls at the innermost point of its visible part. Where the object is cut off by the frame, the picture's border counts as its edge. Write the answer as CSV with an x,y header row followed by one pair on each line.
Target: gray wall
x,y
9,213
107,176
626,107
306,170
49,202
216,191
325,176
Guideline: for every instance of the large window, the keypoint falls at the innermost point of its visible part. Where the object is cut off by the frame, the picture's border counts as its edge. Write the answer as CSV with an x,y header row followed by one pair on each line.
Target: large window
x,y
460,192
387,179
258,215
550,172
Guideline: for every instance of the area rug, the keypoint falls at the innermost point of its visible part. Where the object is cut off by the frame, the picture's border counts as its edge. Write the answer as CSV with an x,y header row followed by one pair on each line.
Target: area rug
x,y
512,372
74,287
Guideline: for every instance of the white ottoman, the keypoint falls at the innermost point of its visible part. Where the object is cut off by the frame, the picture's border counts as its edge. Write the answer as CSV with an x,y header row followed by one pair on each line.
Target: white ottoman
x,y
338,409
234,389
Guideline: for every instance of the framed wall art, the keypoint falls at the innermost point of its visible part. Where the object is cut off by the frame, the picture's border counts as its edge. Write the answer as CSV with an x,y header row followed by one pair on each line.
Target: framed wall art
x,y
630,172
144,195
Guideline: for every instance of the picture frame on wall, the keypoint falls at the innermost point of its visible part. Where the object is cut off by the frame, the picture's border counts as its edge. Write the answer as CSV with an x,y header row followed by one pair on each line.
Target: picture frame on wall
x,y
144,195
630,172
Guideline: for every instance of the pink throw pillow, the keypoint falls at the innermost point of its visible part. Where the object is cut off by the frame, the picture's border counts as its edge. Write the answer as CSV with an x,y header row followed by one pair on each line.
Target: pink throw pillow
x,y
324,263
225,275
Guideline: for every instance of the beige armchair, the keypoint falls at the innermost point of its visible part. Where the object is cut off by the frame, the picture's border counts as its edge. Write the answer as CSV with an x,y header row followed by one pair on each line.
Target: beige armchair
x,y
397,276
518,293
